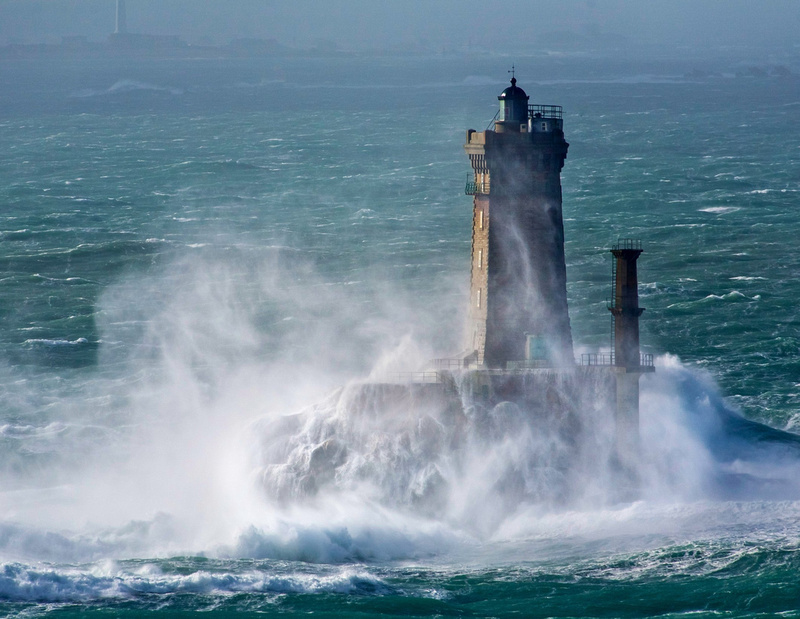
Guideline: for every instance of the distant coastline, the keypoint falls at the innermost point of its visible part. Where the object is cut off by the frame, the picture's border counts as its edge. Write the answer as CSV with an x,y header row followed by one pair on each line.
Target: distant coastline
x,y
158,46
125,45
134,45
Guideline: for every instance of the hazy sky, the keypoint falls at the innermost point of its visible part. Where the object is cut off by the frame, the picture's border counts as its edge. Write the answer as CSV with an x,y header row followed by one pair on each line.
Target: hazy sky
x,y
433,24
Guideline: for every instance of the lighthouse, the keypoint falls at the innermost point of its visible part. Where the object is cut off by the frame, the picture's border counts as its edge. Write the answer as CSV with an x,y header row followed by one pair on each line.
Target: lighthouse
x,y
518,313
122,18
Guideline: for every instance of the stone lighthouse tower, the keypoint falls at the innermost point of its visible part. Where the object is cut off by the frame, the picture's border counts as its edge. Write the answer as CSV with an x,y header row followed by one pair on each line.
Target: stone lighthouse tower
x,y
518,301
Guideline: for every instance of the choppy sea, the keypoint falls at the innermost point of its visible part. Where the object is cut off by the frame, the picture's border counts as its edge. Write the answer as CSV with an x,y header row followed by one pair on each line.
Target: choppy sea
x,y
192,251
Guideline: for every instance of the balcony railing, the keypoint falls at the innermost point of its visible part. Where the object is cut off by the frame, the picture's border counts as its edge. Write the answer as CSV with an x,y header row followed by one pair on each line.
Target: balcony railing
x,y
473,188
530,364
415,377
606,359
628,244
454,363
545,111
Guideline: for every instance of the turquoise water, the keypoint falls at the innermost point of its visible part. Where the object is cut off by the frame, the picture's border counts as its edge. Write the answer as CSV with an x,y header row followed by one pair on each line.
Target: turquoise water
x,y
190,250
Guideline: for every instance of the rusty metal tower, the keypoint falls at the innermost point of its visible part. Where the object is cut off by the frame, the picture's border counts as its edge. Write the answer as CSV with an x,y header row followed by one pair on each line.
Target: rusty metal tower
x,y
628,362
518,301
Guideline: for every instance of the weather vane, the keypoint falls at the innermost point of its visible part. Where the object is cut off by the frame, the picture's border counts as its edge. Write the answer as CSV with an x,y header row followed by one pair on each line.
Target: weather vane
x,y
512,72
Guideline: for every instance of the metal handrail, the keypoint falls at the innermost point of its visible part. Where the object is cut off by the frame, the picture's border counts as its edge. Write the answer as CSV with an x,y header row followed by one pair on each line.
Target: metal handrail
x,y
494,119
595,358
607,359
545,111
415,377
472,188
453,363
530,364
627,244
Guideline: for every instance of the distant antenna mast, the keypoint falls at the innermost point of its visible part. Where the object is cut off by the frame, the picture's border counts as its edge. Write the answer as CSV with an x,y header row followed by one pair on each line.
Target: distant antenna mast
x,y
122,19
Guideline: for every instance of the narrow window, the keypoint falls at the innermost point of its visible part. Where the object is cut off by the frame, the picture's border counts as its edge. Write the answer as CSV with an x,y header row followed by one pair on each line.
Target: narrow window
x,y
480,219
480,258
479,298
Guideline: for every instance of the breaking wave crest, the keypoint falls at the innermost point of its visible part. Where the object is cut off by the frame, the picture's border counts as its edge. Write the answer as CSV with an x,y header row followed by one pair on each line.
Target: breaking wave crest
x,y
108,580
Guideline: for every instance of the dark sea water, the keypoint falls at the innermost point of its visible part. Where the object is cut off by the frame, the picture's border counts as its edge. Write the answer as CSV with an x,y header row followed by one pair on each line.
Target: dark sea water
x,y
190,250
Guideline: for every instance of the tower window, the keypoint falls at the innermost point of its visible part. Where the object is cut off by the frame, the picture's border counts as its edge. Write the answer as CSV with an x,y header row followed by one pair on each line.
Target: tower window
x,y
478,302
480,258
480,219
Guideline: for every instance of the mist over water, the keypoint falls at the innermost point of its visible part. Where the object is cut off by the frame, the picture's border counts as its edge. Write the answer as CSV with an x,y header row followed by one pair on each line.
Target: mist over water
x,y
200,301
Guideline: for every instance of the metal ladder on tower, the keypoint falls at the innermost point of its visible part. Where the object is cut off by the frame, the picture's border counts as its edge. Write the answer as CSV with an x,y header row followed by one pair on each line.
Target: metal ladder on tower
x,y
613,303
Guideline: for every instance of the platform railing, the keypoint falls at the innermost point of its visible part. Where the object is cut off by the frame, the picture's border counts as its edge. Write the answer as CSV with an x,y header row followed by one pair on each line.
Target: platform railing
x,y
628,244
596,358
530,364
606,359
415,377
545,111
472,188
453,363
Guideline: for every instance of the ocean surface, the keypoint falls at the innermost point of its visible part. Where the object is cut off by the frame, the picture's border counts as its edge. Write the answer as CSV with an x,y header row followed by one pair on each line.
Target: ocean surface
x,y
192,251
